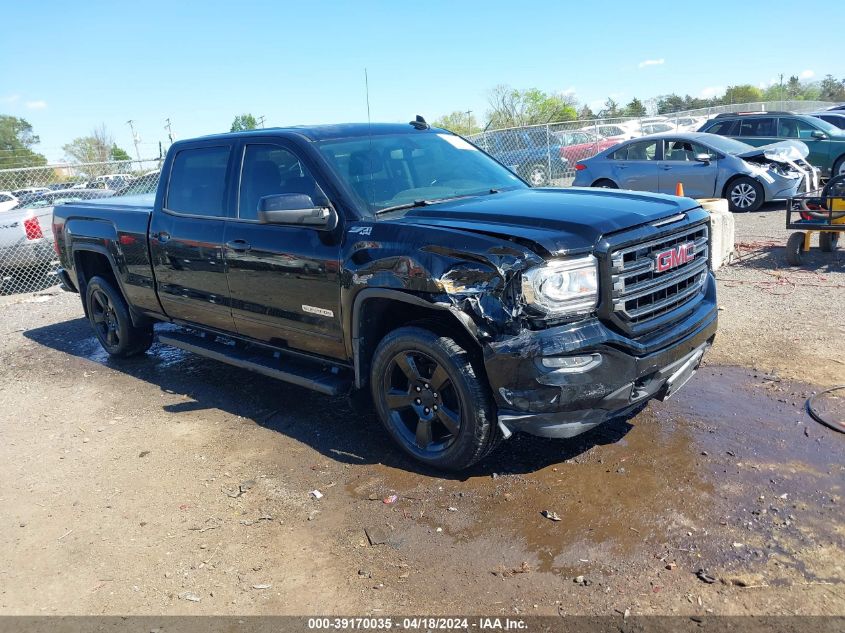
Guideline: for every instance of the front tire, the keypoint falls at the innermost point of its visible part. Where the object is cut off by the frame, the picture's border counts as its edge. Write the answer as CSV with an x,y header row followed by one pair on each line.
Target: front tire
x,y
430,399
108,314
745,194
537,175
838,167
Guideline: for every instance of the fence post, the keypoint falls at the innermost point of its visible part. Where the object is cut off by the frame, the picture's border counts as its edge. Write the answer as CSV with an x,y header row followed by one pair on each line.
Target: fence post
x,y
549,153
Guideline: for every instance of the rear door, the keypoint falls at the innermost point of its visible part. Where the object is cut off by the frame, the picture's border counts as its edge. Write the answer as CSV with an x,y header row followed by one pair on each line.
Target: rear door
x,y
636,165
186,237
284,280
758,130
679,166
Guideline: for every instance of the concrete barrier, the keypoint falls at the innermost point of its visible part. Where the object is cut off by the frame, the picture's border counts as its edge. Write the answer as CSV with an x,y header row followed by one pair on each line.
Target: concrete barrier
x,y
721,230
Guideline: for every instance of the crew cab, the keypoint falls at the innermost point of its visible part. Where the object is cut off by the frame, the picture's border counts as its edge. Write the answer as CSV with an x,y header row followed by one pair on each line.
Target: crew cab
x,y
403,264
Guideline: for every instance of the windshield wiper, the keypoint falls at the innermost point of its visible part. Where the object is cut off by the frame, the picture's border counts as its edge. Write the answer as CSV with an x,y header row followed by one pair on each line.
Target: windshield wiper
x,y
407,205
424,203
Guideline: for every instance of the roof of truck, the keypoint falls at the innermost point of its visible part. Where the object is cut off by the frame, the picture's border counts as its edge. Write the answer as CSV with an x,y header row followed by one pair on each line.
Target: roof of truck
x,y
327,132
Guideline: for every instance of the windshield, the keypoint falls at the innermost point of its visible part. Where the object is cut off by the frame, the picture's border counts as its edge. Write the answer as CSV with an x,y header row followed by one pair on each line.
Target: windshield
x,y
728,145
397,169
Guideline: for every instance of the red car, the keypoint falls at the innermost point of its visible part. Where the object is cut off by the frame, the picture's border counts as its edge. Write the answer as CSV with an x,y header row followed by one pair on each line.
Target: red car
x,y
578,145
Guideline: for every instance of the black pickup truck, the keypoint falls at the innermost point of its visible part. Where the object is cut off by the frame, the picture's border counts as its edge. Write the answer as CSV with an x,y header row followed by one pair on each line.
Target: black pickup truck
x,y
402,263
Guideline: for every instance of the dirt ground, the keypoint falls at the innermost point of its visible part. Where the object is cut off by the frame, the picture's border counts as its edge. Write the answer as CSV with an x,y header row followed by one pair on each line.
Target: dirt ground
x,y
170,484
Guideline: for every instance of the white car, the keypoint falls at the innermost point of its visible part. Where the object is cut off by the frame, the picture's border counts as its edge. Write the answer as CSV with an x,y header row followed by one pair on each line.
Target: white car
x,y
7,201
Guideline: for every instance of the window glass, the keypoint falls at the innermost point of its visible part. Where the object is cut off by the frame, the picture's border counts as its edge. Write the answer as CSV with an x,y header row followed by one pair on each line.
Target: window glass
x,y
686,151
645,150
795,128
394,169
725,128
757,126
198,181
269,170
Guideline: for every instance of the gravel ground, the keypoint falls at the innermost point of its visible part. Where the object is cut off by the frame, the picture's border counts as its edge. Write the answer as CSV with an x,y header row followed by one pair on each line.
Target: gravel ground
x,y
175,485
776,317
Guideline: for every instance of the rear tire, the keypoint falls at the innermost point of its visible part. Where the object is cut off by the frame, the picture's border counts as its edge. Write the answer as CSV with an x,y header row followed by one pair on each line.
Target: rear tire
x,y
745,195
828,242
795,249
108,314
604,183
431,401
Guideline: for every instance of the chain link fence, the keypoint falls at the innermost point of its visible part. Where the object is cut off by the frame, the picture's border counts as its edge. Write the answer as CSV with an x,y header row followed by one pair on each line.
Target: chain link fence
x,y
545,155
28,260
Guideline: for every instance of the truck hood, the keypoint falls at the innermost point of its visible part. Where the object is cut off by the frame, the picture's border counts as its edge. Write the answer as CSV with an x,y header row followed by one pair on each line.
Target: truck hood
x,y
561,221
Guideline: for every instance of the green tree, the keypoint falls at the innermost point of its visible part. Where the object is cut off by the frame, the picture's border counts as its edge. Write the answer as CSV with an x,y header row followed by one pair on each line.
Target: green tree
x,y
611,109
831,89
513,108
743,93
585,113
243,122
669,103
635,107
94,148
16,142
794,89
118,153
462,123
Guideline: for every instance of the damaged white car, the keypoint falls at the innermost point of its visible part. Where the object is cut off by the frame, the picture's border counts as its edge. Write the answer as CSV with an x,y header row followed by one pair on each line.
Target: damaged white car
x,y
707,165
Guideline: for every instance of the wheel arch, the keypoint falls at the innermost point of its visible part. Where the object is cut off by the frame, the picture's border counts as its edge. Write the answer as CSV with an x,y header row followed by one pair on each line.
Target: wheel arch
x,y
90,260
377,311
736,177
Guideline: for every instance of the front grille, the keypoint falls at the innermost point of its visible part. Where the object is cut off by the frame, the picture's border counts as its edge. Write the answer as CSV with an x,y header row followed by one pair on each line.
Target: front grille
x,y
642,293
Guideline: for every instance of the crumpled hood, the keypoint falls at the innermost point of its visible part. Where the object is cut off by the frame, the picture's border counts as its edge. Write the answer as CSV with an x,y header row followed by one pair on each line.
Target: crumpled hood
x,y
782,151
560,220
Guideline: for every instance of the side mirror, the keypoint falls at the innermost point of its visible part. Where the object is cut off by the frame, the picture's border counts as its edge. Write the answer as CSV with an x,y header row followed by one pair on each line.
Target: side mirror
x,y
818,134
703,158
295,209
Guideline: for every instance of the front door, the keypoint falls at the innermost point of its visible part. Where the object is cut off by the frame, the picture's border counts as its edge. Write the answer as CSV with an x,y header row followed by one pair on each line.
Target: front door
x,y
186,238
679,166
284,281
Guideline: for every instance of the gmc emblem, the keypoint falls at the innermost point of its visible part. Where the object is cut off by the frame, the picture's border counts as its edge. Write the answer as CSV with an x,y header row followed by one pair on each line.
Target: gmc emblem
x,y
681,254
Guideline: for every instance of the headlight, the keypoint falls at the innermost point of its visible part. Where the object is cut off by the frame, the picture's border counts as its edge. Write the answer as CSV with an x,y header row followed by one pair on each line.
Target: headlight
x,y
566,286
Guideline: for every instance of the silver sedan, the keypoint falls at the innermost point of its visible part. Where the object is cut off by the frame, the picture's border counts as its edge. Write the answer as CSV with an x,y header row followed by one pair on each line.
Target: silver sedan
x,y
707,165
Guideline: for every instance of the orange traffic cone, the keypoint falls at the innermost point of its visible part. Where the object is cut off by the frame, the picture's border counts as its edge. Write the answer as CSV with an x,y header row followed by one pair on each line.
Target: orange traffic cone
x,y
679,189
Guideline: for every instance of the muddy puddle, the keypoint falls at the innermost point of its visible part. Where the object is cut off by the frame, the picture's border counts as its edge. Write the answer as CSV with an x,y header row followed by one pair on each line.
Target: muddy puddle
x,y
731,473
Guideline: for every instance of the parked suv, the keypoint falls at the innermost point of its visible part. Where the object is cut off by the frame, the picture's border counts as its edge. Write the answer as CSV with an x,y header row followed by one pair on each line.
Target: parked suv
x,y
826,142
532,153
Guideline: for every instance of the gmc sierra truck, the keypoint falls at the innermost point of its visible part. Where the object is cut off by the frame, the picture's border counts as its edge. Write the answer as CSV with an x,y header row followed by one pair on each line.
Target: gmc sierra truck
x,y
403,264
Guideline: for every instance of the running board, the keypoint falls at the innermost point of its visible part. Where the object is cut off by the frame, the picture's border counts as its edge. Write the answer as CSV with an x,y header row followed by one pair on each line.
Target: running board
x,y
322,377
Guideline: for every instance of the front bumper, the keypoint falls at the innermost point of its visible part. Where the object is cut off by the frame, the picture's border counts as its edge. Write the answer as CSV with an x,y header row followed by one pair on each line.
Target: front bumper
x,y
551,403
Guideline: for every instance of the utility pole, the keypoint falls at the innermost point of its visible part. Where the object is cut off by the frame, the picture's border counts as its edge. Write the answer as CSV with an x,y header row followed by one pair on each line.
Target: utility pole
x,y
781,91
261,121
135,139
169,130
469,121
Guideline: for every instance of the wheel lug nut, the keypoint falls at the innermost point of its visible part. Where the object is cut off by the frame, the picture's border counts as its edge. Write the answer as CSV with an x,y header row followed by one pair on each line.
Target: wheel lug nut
x,y
418,389
435,407
418,401
427,410
426,385
435,394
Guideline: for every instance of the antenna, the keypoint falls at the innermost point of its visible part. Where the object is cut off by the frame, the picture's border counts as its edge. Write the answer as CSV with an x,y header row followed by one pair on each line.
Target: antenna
x,y
367,90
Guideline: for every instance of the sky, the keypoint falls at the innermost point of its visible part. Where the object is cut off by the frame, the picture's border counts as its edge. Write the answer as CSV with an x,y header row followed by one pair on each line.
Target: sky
x,y
202,63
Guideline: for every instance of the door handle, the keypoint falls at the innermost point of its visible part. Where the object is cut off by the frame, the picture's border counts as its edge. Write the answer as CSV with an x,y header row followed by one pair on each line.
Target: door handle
x,y
162,236
239,246
665,167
